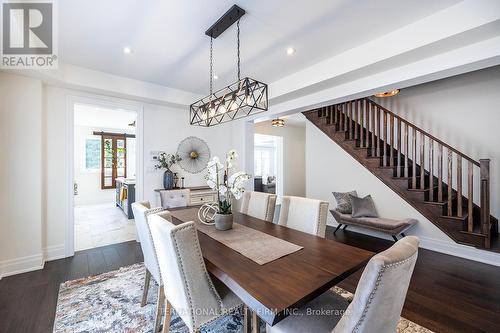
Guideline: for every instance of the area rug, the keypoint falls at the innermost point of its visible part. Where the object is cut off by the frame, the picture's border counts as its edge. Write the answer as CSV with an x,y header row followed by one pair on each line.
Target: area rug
x,y
110,302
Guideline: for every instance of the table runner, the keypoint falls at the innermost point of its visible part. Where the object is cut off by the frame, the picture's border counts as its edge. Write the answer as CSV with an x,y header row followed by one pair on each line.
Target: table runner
x,y
253,244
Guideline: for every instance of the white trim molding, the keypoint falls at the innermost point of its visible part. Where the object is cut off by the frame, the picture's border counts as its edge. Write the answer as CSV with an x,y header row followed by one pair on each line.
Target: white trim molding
x,y
54,252
21,265
441,246
105,102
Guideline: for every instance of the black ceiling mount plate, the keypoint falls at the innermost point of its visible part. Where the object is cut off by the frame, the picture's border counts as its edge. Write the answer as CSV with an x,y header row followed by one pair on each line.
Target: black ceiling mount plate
x,y
226,20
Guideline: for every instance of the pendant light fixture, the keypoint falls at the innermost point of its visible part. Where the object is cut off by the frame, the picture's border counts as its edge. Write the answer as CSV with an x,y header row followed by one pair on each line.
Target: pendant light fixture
x,y
387,93
278,122
240,99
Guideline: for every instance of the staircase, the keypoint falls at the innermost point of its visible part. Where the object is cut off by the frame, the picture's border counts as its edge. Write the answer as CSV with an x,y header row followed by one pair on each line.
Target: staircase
x,y
417,166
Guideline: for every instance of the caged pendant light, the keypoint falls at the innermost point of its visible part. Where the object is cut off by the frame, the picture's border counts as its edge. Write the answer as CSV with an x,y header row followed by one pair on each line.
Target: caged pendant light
x,y
240,99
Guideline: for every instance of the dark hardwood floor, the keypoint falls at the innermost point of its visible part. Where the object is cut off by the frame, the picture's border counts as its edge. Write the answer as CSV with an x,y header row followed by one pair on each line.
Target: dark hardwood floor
x,y
447,294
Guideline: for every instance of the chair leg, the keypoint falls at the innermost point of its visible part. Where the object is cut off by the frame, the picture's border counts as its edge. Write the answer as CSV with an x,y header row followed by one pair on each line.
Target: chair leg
x,y
255,323
403,234
345,227
147,279
159,306
167,317
337,229
395,238
246,320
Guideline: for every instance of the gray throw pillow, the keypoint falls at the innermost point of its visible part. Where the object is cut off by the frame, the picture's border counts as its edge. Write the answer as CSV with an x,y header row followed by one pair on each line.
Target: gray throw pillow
x,y
363,207
344,202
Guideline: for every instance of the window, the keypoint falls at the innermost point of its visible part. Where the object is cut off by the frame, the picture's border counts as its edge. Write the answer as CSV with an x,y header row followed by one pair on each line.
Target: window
x,y
93,154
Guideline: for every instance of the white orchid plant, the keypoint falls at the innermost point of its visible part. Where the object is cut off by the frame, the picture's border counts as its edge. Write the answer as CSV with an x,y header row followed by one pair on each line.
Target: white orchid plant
x,y
226,180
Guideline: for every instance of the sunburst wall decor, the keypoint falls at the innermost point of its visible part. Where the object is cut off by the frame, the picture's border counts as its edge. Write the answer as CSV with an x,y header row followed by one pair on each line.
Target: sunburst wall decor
x,y
194,154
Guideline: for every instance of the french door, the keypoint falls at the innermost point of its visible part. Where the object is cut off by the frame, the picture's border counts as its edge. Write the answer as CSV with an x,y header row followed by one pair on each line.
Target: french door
x,y
113,159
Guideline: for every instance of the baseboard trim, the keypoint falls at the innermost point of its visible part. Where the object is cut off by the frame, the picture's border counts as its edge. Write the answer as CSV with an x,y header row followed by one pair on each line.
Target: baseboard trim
x,y
441,246
21,265
31,263
462,251
54,252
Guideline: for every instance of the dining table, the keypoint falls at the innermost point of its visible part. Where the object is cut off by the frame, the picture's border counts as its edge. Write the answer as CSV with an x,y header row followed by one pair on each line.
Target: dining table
x,y
273,290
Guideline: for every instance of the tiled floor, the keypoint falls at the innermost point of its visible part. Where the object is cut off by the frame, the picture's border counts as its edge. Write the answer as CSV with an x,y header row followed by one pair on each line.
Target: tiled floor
x,y
99,225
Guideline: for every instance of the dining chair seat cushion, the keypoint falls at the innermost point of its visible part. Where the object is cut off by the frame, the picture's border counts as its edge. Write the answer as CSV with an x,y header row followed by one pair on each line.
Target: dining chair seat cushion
x,y
320,315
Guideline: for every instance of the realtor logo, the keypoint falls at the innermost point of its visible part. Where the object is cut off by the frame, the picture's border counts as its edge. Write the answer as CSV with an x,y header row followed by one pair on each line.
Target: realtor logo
x,y
28,33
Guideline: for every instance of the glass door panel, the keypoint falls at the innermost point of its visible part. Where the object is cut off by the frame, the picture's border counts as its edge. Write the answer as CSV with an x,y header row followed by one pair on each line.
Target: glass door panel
x,y
114,156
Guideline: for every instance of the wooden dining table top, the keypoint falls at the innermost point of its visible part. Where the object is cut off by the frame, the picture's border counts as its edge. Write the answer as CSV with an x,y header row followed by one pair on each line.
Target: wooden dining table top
x,y
274,289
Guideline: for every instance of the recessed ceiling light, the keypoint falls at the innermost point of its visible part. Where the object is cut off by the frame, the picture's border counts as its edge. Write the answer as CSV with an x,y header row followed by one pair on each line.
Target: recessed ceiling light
x,y
216,77
127,50
290,51
387,93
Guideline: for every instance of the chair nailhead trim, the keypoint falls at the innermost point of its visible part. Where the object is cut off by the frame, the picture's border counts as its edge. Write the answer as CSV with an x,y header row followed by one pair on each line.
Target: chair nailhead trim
x,y
200,257
146,214
379,279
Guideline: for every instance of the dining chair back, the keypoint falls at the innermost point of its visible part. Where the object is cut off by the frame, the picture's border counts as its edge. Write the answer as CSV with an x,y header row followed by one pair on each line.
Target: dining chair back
x,y
382,289
260,205
377,303
190,290
141,211
304,214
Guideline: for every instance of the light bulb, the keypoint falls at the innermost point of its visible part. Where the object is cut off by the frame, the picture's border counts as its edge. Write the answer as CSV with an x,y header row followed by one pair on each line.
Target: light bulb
x,y
222,107
212,110
233,103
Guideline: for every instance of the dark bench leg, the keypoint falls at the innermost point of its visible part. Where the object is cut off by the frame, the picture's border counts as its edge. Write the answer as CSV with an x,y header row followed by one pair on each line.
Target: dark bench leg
x,y
403,234
395,238
336,229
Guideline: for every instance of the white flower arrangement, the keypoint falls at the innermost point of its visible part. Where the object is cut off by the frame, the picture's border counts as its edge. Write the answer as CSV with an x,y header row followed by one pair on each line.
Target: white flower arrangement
x,y
226,181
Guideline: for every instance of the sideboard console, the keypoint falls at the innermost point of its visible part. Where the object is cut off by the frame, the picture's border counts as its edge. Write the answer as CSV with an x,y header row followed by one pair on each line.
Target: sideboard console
x,y
199,195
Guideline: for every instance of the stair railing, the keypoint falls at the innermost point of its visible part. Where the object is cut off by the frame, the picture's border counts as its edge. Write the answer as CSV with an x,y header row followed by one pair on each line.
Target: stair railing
x,y
416,154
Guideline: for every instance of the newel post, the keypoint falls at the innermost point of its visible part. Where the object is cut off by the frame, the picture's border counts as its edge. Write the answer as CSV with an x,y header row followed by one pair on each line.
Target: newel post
x,y
485,199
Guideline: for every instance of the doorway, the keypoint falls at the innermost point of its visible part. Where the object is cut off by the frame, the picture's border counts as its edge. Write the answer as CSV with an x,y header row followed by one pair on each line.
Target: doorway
x,y
104,174
268,164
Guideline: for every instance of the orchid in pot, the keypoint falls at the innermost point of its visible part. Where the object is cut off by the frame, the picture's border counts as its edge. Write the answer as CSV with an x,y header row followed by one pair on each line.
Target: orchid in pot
x,y
228,183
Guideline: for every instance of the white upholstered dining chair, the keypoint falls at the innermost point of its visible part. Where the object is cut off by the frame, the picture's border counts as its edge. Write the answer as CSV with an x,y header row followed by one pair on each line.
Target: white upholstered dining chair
x,y
303,214
258,204
175,198
190,291
142,210
377,303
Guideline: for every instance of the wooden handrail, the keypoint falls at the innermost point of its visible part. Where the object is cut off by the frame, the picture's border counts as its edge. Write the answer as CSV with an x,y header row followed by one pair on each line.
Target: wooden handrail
x,y
424,132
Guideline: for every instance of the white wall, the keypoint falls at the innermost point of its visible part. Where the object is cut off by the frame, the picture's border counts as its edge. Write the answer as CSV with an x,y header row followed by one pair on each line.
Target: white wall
x,y
21,201
462,111
164,129
35,155
293,155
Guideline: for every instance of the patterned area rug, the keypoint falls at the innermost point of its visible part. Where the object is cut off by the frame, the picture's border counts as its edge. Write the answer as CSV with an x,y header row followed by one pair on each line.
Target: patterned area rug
x,y
110,302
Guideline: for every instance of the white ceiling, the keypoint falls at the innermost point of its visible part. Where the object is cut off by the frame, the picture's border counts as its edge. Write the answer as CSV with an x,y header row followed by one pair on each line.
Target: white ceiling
x,y
170,48
94,116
